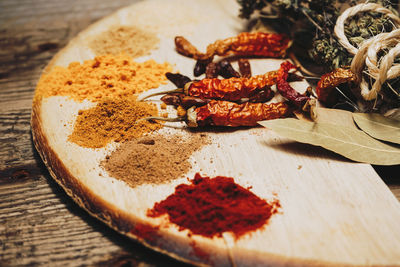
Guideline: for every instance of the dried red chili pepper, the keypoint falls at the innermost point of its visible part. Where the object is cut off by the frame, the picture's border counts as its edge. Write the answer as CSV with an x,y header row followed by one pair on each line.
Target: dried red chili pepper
x,y
245,44
173,99
213,206
185,48
225,113
325,89
190,101
285,89
244,68
232,89
259,97
179,99
178,79
226,70
200,67
255,88
212,70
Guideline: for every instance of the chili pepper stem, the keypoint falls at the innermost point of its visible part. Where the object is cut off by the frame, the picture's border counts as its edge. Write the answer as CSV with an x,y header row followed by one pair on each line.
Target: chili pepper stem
x,y
296,61
148,94
190,118
349,101
177,119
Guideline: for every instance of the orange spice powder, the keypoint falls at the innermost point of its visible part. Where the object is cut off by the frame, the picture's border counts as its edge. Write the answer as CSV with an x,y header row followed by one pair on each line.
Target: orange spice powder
x,y
105,76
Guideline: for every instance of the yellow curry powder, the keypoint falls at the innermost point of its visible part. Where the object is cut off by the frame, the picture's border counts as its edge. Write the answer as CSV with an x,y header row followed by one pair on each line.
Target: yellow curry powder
x,y
106,76
112,120
112,82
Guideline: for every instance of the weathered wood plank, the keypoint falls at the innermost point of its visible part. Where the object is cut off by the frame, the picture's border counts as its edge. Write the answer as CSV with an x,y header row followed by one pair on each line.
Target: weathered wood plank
x,y
40,225
15,139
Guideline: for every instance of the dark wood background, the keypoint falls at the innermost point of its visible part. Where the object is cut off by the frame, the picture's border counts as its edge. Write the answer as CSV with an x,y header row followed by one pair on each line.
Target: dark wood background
x,y
39,224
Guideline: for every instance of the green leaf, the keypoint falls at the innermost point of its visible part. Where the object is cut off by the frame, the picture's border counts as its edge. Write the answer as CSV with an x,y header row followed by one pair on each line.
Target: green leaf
x,y
348,142
379,126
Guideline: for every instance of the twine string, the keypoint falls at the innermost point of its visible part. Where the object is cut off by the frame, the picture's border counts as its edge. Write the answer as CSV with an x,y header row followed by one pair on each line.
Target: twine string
x,y
351,12
365,58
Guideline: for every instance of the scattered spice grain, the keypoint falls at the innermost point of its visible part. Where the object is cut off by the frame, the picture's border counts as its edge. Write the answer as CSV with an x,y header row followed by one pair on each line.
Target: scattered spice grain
x,y
112,120
124,39
153,158
146,232
200,253
108,76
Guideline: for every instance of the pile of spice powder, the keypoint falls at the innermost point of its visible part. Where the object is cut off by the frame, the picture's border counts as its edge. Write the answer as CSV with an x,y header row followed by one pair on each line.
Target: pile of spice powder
x,y
212,206
113,82
124,39
153,159
108,76
112,120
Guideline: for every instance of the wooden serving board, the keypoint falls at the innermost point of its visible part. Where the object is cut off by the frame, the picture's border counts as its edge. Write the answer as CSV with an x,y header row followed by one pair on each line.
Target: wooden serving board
x,y
334,211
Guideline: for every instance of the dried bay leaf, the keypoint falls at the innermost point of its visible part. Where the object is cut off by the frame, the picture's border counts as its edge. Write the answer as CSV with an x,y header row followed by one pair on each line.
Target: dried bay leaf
x,y
333,116
379,126
348,142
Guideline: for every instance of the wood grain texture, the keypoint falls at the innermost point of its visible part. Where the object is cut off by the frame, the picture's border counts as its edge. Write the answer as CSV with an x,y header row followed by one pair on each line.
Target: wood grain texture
x,y
39,224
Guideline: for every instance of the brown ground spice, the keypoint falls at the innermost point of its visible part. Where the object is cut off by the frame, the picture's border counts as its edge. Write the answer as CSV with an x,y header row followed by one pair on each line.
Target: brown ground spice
x,y
108,76
112,120
153,159
124,39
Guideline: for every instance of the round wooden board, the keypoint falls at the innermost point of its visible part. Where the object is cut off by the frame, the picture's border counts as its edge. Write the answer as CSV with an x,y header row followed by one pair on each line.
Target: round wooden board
x,y
334,212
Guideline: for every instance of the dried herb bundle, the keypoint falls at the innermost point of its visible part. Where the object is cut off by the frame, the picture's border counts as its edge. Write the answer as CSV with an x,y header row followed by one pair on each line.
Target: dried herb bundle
x,y
316,19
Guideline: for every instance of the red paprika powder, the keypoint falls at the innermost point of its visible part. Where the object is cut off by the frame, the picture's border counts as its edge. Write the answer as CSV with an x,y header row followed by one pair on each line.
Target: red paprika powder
x,y
212,206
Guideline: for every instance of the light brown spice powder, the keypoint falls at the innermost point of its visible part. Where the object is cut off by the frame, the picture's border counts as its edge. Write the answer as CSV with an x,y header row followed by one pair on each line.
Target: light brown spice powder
x,y
153,159
124,39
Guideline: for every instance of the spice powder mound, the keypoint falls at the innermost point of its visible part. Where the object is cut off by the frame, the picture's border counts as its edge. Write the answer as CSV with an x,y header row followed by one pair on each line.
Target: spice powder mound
x,y
212,206
108,76
153,159
113,120
124,39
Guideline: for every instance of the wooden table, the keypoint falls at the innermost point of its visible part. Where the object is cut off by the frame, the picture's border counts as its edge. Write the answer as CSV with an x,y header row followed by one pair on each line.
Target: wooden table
x,y
39,224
